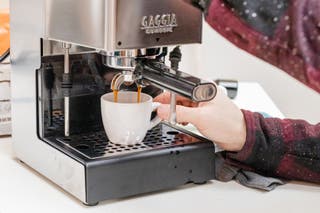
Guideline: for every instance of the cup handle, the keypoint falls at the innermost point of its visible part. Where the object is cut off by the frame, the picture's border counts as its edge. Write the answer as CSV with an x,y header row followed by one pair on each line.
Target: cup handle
x,y
154,122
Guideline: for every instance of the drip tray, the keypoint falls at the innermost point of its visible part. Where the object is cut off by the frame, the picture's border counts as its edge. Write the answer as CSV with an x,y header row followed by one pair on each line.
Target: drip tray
x,y
96,145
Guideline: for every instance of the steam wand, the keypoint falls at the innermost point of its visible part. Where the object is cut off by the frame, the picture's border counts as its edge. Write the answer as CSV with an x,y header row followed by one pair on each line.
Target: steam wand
x,y
175,59
66,86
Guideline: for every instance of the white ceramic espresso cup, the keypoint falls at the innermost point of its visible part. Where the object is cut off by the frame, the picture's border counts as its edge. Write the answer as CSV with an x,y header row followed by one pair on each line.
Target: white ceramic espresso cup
x,y
126,122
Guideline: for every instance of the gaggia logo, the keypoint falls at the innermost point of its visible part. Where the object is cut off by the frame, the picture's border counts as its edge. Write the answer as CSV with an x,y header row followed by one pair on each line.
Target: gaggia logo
x,y
154,24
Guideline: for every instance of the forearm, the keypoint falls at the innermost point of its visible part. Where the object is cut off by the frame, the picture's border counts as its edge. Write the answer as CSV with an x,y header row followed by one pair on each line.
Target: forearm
x,y
282,148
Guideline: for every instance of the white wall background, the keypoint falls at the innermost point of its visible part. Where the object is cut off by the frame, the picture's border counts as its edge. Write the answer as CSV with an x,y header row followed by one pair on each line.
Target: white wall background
x,y
217,58
4,4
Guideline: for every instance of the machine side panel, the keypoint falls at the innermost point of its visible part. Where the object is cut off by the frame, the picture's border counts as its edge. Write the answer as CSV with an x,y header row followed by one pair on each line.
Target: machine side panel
x,y
76,21
27,21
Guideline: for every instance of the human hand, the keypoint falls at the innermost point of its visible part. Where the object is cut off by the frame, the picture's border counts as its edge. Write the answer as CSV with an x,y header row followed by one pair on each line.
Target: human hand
x,y
220,120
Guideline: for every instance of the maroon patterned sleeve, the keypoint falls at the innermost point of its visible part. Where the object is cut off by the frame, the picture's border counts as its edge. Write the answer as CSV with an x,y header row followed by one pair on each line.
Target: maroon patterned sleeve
x,y
282,148
285,33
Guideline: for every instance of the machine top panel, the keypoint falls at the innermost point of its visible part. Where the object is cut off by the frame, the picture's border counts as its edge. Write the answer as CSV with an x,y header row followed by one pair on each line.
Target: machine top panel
x,y
123,24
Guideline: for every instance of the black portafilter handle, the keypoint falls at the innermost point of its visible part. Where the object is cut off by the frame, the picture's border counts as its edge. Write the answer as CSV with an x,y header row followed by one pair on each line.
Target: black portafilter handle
x,y
158,74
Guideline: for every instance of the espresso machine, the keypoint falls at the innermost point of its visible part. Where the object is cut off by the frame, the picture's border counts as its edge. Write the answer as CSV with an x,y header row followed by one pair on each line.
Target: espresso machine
x,y
65,55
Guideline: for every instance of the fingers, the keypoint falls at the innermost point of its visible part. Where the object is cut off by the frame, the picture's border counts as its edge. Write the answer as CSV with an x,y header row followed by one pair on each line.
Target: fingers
x,y
164,98
184,114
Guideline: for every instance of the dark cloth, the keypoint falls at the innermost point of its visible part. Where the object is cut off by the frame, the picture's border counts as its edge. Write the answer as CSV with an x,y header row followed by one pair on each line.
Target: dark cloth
x,y
285,33
226,172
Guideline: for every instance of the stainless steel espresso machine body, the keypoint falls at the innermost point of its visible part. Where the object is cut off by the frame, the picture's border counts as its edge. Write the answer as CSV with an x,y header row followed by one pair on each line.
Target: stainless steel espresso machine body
x,y
65,55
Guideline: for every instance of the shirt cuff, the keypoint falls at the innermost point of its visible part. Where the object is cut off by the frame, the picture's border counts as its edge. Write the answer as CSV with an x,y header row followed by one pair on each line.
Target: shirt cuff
x,y
252,123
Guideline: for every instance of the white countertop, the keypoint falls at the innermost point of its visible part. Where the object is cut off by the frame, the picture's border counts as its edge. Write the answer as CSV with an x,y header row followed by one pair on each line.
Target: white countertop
x,y
24,190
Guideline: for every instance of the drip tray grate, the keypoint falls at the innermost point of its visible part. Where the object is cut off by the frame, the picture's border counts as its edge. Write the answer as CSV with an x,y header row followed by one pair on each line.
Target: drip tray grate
x,y
96,145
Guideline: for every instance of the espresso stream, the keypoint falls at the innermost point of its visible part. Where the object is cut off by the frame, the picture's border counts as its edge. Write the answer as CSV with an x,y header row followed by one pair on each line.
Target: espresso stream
x,y
116,92
115,95
139,94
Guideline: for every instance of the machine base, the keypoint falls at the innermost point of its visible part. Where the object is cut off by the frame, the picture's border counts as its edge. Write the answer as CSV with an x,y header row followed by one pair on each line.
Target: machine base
x,y
169,157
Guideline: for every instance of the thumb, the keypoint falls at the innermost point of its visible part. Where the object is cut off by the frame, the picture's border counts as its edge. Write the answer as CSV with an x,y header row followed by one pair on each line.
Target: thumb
x,y
184,114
